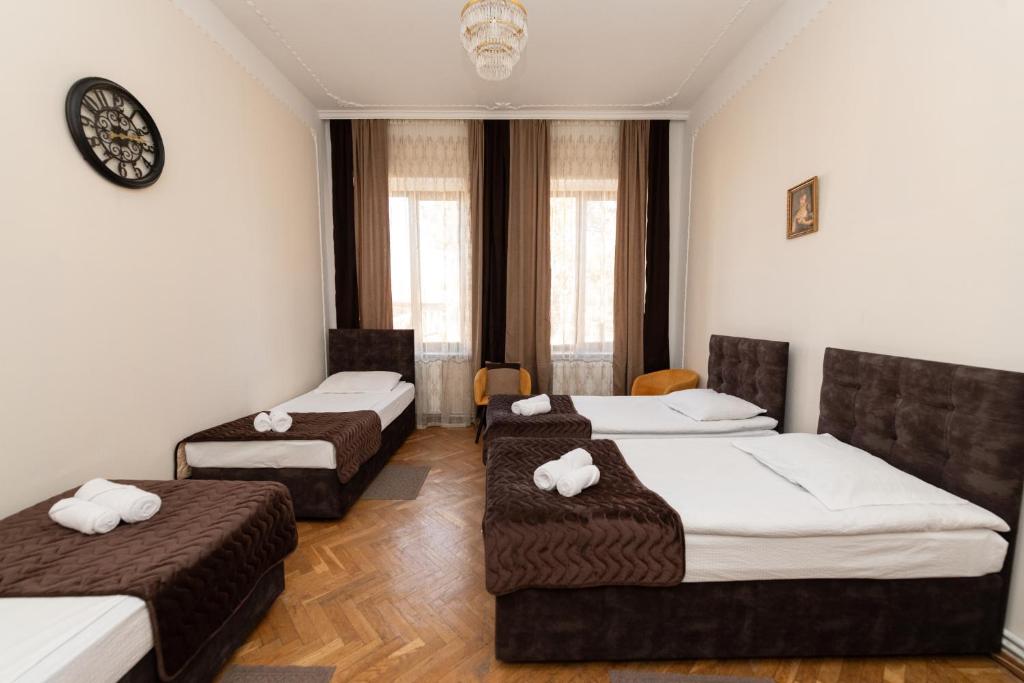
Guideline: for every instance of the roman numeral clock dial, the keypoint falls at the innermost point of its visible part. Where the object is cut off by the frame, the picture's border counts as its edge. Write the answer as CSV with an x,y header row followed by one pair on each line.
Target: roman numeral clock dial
x,y
114,132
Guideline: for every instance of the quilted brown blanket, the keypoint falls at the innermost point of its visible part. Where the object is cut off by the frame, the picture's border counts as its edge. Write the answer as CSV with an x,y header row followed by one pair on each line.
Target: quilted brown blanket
x,y
616,533
194,563
562,421
355,436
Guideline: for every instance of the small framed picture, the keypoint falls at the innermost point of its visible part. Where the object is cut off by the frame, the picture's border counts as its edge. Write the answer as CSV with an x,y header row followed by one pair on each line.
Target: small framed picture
x,y
802,209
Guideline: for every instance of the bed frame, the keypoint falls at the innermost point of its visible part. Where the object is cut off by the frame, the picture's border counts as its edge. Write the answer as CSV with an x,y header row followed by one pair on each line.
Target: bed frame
x,y
317,493
753,369
756,370
957,427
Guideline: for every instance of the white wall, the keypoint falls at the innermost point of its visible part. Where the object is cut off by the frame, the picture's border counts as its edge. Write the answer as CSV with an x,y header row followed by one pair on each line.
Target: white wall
x,y
133,317
910,113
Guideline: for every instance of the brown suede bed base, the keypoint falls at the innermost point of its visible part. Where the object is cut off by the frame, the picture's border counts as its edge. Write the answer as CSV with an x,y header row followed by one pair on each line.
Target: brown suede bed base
x,y
216,653
317,493
789,618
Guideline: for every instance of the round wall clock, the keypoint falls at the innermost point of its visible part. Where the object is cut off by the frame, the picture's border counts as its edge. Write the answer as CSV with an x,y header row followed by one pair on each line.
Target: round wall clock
x,y
114,132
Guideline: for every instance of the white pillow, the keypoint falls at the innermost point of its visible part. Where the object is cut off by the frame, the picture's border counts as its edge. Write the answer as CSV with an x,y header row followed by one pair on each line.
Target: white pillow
x,y
707,405
359,382
842,476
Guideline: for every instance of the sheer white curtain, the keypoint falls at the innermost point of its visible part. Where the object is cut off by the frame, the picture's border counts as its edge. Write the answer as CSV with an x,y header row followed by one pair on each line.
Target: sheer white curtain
x,y
584,188
431,262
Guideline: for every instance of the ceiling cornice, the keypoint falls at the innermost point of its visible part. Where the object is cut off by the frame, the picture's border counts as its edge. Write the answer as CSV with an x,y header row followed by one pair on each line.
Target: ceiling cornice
x,y
611,114
349,109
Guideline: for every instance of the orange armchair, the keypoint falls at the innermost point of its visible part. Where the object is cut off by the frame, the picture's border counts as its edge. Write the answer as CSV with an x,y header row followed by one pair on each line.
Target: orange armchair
x,y
664,382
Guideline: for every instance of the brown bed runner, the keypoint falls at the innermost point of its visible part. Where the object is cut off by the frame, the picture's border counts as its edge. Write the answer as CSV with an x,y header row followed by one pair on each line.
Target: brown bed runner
x,y
563,421
355,436
194,563
616,533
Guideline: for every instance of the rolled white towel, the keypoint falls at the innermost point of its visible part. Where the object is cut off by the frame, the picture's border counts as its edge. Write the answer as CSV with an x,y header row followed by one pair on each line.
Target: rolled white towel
x,y
84,516
131,503
547,475
280,421
537,405
575,481
262,422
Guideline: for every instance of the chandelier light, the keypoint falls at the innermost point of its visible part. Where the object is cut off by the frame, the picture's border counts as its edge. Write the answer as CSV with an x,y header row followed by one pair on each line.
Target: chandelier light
x,y
494,35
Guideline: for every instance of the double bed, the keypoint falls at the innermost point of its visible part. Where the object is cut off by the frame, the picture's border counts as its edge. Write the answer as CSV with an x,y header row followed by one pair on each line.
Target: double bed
x,y
307,459
752,369
729,559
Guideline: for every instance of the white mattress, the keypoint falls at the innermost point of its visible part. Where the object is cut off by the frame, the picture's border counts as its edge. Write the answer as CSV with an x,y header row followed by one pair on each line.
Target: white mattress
x,y
744,522
615,417
72,639
300,453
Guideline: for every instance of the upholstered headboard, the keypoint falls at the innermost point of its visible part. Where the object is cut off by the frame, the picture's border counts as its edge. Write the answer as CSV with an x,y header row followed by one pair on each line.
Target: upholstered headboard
x,y
371,350
753,369
958,427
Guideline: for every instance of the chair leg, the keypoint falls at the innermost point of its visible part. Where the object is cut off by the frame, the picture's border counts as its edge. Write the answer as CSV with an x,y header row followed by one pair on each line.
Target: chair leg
x,y
481,415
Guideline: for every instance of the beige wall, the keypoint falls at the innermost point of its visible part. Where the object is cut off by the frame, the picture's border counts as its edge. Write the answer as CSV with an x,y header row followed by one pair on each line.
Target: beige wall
x,y
911,113
131,318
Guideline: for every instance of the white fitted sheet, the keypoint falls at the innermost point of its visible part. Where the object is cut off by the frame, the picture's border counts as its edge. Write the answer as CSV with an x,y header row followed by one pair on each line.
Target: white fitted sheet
x,y
313,454
72,639
613,417
744,522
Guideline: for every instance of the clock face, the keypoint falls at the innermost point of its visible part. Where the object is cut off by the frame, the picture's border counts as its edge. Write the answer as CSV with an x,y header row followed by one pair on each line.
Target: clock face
x,y
114,133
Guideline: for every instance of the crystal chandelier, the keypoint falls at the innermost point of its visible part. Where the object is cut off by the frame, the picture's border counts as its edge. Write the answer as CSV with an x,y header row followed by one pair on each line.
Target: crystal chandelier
x,y
494,35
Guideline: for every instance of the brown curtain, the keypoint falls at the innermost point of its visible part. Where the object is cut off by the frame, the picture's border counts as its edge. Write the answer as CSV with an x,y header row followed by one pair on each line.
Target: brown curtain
x,y
656,353
476,220
630,245
373,240
528,320
346,286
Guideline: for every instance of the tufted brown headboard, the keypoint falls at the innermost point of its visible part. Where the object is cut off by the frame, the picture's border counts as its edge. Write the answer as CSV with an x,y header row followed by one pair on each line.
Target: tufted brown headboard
x,y
753,369
958,427
372,350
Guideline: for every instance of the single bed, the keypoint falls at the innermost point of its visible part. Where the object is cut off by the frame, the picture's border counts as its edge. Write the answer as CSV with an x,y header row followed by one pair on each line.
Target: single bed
x,y
309,466
752,369
166,599
763,572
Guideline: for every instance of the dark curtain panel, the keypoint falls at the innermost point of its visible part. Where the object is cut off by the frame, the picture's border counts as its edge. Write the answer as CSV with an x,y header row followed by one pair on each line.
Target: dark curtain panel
x,y
656,356
495,241
346,287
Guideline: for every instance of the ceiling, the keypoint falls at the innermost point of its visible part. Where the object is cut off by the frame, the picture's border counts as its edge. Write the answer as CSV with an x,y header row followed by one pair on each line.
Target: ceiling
x,y
642,56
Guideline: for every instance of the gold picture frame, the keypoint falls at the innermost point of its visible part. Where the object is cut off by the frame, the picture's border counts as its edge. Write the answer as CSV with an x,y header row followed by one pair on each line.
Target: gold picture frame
x,y
802,209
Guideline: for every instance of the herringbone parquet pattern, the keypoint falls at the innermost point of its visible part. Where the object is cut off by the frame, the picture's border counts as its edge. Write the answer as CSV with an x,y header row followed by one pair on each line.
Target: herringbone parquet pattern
x,y
395,592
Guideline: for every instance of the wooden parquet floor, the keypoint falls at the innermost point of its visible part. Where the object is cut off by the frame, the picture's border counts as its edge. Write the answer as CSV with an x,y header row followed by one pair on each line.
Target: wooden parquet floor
x,y
395,592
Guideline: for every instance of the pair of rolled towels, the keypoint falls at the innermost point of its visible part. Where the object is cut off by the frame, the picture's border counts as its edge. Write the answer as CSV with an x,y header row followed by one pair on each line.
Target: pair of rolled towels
x,y
100,505
570,474
536,405
276,419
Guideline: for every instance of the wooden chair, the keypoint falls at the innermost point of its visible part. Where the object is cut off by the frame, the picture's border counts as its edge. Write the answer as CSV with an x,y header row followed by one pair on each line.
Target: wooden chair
x,y
482,398
664,382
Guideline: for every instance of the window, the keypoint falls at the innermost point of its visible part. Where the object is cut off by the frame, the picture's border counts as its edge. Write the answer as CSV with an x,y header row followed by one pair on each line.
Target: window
x,y
584,184
431,261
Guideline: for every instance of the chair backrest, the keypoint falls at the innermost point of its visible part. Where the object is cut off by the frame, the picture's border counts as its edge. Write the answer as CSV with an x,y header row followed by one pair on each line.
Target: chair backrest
x,y
481,390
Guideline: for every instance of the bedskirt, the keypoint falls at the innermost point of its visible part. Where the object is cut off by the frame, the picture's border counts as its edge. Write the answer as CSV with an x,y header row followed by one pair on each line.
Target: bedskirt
x,y
316,492
787,618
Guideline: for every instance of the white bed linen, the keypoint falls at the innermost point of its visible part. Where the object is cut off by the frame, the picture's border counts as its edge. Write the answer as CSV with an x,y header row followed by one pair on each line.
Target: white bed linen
x,y
744,522
648,416
312,454
72,639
